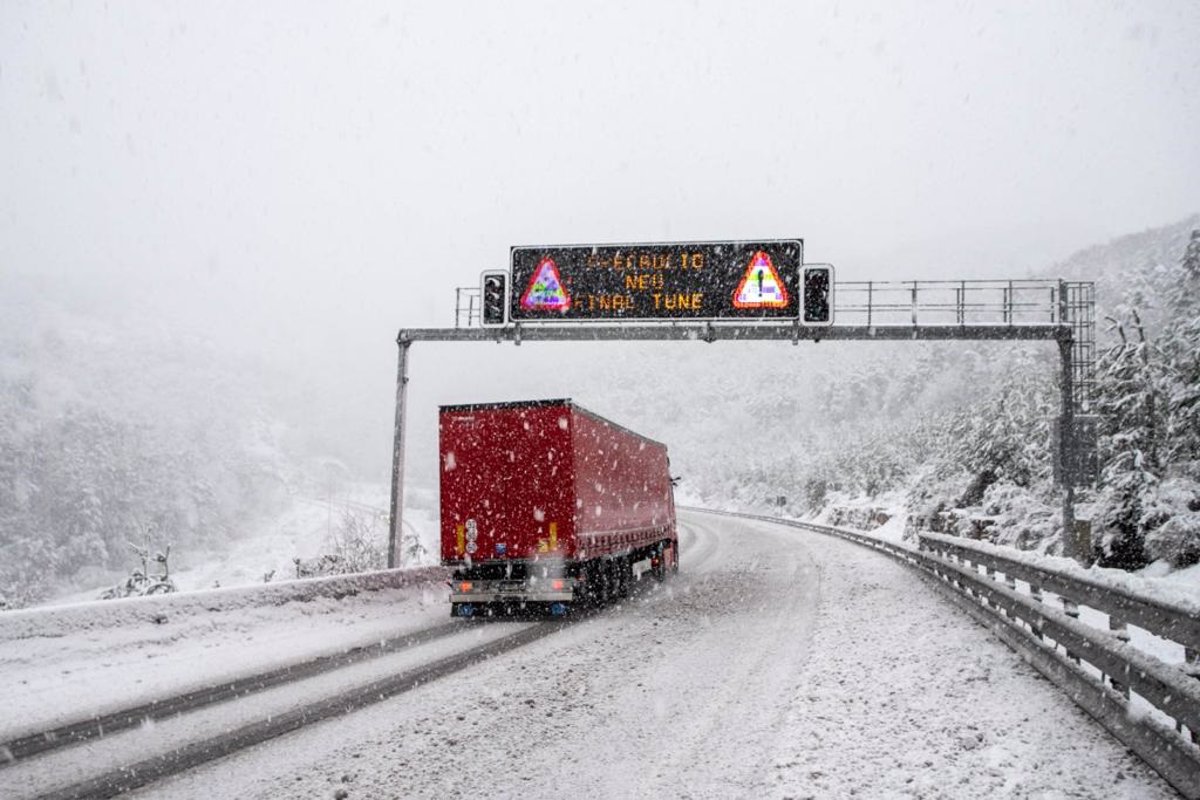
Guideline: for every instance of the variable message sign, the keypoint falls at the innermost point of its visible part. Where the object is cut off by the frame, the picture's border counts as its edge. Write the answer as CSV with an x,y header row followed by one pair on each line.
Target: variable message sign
x,y
679,280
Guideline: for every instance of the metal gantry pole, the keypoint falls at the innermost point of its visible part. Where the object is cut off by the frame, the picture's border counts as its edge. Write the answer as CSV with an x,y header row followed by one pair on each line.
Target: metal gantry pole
x,y
395,520
709,331
1066,430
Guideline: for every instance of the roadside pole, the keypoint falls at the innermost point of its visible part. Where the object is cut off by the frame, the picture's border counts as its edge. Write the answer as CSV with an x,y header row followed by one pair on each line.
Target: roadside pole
x,y
395,537
1067,465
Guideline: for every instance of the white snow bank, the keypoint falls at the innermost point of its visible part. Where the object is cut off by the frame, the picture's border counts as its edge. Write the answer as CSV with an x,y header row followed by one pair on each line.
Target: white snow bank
x,y
55,621
86,672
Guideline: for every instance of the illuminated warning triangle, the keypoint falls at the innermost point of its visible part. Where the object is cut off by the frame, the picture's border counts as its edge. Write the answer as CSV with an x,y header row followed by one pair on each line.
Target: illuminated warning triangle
x,y
545,291
761,286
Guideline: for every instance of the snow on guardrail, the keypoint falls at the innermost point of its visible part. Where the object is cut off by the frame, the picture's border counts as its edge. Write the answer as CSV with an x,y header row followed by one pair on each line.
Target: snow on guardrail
x,y
1180,597
154,609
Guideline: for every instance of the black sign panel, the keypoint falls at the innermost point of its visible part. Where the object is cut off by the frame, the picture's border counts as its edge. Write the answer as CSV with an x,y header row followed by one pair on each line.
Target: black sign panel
x,y
1077,462
679,280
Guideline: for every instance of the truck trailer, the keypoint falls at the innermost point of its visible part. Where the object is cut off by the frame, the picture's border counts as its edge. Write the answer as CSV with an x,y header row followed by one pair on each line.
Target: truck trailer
x,y
546,506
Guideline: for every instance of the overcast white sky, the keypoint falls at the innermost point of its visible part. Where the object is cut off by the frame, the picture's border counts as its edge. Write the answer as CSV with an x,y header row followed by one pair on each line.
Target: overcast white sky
x,y
319,175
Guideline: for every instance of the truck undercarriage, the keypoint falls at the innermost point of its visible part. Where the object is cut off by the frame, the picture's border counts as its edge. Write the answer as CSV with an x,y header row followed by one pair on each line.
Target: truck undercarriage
x,y
555,587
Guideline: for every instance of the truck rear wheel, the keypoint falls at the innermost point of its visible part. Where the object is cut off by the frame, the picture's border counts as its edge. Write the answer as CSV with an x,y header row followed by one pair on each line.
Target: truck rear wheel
x,y
594,584
624,576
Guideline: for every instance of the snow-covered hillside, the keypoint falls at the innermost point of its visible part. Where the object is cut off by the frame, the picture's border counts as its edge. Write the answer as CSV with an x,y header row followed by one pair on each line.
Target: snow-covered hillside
x,y
955,425
119,429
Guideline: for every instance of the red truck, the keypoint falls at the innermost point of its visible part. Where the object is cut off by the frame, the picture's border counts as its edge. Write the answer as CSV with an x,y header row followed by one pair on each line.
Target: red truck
x,y
546,506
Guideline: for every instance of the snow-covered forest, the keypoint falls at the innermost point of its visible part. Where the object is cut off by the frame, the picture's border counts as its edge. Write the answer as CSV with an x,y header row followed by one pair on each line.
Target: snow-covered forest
x,y
116,430
196,444
958,435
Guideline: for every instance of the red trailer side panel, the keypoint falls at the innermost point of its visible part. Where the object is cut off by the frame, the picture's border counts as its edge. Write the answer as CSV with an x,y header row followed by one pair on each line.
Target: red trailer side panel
x,y
623,494
507,482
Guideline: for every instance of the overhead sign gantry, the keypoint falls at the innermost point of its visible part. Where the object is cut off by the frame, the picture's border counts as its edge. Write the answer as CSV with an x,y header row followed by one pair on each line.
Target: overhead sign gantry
x,y
763,290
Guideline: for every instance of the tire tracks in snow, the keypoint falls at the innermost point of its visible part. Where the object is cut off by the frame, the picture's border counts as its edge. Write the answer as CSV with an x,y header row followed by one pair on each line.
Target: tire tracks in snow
x,y
144,772
703,545
700,543
673,691
70,734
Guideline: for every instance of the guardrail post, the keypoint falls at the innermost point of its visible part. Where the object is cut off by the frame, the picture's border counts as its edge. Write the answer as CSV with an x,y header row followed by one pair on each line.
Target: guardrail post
x,y
1035,592
1192,667
929,549
1011,583
939,568
1121,631
991,573
961,560
1071,609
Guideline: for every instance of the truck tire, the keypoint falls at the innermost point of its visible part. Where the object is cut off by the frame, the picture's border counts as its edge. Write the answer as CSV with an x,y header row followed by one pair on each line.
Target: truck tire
x,y
597,584
624,576
610,584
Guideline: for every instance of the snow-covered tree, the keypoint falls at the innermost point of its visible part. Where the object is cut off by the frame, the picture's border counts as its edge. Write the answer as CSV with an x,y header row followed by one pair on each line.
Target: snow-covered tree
x,y
1004,437
1130,404
1149,399
1180,344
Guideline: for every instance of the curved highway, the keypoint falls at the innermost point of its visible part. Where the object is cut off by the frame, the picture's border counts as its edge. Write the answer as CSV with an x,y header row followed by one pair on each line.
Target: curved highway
x,y
778,664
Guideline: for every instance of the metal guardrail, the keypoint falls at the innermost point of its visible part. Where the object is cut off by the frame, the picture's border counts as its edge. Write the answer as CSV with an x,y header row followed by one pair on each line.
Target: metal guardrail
x,y
1121,605
1098,669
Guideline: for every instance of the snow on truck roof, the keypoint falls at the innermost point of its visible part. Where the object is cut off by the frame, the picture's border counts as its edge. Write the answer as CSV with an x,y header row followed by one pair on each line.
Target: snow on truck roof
x,y
566,402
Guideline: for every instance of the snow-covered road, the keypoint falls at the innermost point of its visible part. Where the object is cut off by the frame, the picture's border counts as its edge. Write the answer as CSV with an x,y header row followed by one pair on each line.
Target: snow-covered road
x,y
778,664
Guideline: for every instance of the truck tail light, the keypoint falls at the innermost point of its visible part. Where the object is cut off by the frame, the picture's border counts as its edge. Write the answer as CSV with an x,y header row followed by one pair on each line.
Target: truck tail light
x,y
466,586
558,584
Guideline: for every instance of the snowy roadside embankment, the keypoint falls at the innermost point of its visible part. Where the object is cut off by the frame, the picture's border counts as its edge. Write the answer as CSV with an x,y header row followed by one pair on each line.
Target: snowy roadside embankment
x,y
57,621
69,663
